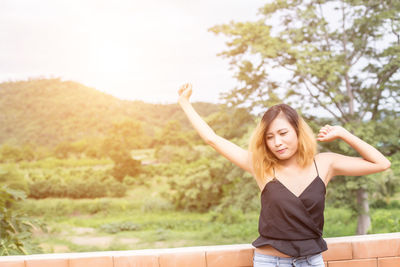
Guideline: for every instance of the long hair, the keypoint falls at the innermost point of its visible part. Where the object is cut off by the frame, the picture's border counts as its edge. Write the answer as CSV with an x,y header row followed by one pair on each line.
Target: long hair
x,y
263,159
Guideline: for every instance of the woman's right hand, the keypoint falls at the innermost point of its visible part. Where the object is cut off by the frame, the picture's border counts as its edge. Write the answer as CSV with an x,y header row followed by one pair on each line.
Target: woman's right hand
x,y
185,91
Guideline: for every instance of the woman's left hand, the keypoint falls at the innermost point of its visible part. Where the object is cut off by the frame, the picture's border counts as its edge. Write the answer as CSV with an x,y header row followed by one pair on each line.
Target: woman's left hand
x,y
329,133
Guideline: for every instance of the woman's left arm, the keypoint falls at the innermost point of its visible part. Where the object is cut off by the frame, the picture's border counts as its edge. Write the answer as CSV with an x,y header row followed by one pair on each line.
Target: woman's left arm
x,y
371,160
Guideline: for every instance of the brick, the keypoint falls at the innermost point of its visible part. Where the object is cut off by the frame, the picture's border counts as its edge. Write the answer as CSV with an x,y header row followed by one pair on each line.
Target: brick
x,y
136,261
338,251
12,263
389,262
182,259
231,258
375,248
353,263
92,261
47,263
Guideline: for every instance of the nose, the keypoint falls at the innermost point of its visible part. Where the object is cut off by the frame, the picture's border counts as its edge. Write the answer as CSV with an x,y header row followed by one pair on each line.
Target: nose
x,y
277,141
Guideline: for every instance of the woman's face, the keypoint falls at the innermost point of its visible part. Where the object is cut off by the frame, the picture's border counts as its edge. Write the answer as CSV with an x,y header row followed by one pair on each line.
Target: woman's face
x,y
281,138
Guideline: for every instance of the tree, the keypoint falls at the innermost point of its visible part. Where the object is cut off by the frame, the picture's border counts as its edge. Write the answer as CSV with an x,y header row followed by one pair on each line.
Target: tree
x,y
230,122
339,57
172,134
122,138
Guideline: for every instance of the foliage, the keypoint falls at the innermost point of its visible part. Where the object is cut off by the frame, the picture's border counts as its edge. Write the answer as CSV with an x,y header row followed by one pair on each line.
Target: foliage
x,y
125,165
10,153
385,221
209,182
16,229
87,147
60,207
122,138
230,122
228,215
14,179
74,184
53,163
199,187
345,63
47,112
169,154
156,203
172,134
113,228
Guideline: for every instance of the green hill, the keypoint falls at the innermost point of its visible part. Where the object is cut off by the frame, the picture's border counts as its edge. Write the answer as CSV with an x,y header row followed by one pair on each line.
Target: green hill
x,y
49,111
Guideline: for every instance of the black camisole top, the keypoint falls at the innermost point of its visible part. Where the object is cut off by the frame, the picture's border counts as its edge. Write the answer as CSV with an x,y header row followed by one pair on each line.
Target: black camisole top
x,y
292,224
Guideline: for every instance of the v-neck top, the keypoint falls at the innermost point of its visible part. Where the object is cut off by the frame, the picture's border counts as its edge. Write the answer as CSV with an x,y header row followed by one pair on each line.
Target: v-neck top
x,y
292,224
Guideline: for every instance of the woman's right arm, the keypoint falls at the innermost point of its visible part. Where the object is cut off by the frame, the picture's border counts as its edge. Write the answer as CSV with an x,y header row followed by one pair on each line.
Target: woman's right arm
x,y
229,150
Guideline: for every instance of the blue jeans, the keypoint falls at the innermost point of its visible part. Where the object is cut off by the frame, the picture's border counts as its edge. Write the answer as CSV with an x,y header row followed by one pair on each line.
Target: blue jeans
x,y
262,260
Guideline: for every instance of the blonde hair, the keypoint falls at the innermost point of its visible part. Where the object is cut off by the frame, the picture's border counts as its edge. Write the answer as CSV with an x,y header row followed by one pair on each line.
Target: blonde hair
x,y
263,159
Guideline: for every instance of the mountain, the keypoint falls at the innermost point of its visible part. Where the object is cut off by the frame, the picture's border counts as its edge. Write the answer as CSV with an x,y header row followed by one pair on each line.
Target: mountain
x,y
49,111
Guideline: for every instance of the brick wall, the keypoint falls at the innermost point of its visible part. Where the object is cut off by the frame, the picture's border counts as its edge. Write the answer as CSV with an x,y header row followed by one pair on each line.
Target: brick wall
x,y
378,250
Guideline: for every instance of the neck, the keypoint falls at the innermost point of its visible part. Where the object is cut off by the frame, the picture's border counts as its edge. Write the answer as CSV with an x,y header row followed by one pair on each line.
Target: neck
x,y
290,162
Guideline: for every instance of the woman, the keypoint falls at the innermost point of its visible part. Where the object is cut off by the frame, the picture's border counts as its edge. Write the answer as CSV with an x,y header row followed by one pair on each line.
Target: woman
x,y
292,178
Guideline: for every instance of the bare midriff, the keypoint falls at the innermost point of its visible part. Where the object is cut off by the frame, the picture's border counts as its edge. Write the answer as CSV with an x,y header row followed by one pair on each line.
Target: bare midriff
x,y
269,250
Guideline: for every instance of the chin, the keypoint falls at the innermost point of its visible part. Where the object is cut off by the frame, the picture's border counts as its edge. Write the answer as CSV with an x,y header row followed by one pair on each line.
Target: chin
x,y
283,157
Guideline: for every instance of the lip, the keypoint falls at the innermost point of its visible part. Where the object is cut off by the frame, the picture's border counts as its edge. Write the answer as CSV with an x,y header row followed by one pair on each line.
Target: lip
x,y
281,151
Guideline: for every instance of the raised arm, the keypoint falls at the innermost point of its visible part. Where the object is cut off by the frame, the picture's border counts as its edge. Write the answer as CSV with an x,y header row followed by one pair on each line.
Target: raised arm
x,y
371,160
229,150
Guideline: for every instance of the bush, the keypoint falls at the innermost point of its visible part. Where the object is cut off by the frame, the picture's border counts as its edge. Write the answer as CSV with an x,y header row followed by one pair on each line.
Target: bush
x,y
173,153
16,229
394,204
56,207
385,221
116,189
209,182
74,184
152,204
228,215
14,179
113,228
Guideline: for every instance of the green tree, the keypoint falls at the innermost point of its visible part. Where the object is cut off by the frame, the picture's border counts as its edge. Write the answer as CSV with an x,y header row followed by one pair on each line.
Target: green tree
x,y
123,137
230,122
172,134
338,57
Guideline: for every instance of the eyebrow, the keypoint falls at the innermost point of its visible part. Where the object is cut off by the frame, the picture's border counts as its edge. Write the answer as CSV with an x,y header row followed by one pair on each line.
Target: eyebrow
x,y
282,129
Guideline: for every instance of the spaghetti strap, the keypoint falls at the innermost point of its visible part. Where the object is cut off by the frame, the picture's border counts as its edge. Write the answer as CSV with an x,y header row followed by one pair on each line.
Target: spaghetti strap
x,y
316,167
273,169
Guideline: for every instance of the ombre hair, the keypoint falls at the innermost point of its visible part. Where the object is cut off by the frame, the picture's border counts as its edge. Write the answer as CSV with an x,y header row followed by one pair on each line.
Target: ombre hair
x,y
263,159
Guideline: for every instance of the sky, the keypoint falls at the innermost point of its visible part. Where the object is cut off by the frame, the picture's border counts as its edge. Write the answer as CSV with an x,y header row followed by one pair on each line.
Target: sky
x,y
131,49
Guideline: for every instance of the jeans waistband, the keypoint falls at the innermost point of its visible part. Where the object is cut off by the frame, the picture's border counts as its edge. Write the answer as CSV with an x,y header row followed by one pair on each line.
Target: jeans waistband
x,y
286,259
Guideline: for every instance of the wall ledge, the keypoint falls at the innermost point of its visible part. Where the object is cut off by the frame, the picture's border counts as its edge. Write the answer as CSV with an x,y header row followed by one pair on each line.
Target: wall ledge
x,y
374,249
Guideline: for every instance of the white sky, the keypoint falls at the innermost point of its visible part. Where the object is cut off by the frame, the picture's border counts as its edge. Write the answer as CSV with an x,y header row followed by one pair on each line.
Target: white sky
x,y
137,50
